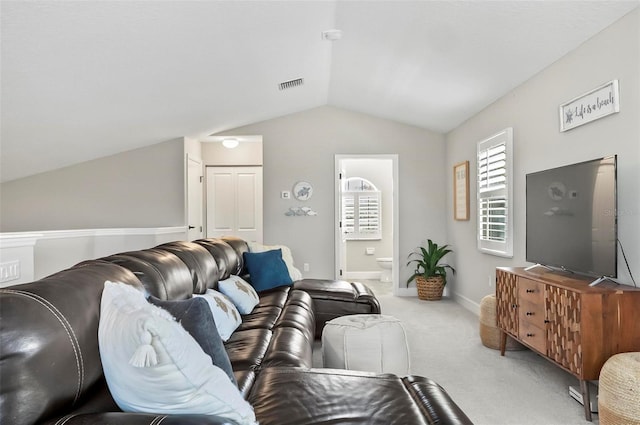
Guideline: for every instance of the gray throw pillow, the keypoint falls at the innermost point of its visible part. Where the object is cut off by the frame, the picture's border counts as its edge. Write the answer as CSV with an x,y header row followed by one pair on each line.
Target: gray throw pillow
x,y
195,317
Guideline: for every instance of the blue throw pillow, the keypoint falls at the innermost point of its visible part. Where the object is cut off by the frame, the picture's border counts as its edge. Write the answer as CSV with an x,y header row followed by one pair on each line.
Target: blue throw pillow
x,y
195,317
267,269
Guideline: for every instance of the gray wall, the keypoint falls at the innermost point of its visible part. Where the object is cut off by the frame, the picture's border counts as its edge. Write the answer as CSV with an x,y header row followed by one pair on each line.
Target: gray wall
x,y
139,188
532,111
302,146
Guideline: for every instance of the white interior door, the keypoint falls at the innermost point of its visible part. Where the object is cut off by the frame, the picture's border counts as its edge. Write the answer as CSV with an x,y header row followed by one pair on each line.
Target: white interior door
x,y
194,199
234,202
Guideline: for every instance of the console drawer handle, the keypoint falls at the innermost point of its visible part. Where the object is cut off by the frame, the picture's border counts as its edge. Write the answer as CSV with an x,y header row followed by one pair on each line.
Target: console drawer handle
x,y
547,321
530,335
529,313
530,291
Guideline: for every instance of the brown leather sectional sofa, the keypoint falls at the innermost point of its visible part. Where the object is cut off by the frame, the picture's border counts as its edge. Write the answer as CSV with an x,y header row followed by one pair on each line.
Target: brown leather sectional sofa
x,y
51,373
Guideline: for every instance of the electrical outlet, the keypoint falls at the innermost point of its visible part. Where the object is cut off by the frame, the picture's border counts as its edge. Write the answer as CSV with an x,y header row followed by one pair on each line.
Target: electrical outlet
x,y
9,271
305,267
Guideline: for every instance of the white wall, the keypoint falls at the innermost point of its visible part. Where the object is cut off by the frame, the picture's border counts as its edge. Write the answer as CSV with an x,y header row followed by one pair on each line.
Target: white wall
x,y
247,153
37,255
129,201
139,188
55,251
532,111
302,146
193,147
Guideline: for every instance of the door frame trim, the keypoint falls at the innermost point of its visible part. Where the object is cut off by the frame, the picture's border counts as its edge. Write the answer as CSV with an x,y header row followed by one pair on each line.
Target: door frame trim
x,y
395,209
199,161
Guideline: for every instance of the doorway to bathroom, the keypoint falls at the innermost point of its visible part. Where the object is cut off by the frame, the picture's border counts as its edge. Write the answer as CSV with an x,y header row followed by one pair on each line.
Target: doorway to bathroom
x,y
366,218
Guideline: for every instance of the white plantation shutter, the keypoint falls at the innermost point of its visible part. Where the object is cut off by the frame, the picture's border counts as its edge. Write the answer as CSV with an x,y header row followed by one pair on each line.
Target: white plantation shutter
x,y
495,217
361,215
361,210
348,214
492,171
369,214
493,213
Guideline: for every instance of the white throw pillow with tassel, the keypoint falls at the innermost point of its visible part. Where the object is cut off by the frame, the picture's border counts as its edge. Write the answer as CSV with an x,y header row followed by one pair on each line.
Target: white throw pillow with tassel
x,y
153,365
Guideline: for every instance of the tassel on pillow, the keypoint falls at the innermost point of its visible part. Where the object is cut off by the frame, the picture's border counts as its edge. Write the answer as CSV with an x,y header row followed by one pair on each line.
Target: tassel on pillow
x,y
145,354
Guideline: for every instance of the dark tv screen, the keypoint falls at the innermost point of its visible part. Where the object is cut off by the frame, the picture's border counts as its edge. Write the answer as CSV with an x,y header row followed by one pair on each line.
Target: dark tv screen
x,y
571,217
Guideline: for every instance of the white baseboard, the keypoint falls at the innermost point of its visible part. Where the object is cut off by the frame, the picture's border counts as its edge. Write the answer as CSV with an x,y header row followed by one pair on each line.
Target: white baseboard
x,y
465,302
373,275
405,292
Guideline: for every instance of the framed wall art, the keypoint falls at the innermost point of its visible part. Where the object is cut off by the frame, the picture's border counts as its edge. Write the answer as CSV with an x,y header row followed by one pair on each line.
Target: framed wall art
x,y
302,191
593,105
461,191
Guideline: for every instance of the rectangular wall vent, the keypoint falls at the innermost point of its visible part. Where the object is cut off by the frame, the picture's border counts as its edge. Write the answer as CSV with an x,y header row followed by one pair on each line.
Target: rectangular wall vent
x,y
291,84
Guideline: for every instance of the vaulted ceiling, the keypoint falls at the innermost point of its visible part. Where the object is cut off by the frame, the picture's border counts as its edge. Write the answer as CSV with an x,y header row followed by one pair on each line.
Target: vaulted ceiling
x,y
85,79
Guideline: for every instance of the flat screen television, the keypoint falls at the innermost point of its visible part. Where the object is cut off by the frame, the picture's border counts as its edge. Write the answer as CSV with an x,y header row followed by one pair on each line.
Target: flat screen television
x,y
571,218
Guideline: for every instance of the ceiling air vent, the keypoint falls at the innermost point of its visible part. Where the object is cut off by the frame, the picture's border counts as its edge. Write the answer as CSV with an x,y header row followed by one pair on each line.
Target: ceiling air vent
x,y
291,84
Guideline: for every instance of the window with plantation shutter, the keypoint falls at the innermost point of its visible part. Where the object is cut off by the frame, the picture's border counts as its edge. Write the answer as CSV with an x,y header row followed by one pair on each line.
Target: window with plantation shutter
x,y
361,210
495,216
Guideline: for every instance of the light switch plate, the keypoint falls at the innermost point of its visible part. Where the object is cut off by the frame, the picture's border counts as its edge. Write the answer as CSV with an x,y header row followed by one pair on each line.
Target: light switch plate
x,y
285,194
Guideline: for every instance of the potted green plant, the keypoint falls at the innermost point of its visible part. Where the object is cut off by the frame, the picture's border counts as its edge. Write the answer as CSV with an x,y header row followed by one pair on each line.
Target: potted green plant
x,y
430,273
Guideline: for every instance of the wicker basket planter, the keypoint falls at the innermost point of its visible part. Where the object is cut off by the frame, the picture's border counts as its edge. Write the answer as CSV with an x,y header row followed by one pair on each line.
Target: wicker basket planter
x,y
430,288
430,273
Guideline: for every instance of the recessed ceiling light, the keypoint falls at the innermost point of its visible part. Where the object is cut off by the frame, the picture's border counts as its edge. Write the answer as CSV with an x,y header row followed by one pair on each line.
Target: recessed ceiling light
x,y
230,143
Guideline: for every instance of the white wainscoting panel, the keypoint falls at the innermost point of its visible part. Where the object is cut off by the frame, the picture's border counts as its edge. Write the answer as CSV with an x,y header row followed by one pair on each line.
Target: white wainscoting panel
x,y
16,253
43,253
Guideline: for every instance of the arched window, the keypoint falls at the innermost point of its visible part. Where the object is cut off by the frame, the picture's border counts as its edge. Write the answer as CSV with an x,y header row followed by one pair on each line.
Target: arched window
x,y
361,211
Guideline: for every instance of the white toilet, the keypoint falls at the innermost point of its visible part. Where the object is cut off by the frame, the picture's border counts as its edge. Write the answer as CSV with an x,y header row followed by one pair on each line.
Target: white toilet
x,y
387,266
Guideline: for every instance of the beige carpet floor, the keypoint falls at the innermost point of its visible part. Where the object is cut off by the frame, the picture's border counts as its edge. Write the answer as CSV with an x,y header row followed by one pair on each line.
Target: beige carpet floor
x,y
521,388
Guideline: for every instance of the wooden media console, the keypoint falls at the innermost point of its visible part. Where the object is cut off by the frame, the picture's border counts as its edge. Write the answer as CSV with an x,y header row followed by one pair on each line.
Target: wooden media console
x,y
574,325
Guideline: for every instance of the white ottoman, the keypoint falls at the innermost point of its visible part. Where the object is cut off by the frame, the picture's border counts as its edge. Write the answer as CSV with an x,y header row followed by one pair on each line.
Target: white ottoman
x,y
368,342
